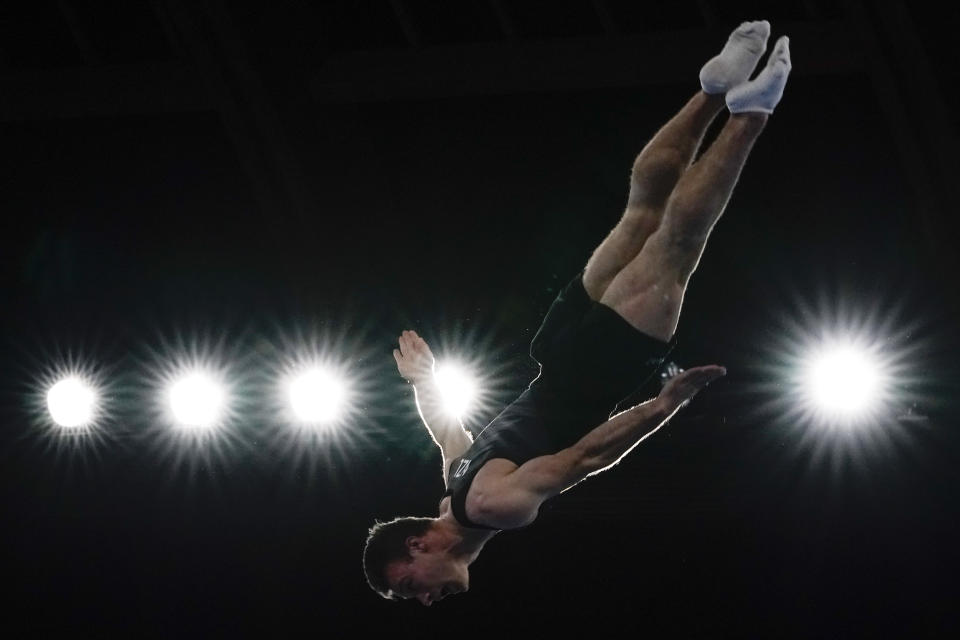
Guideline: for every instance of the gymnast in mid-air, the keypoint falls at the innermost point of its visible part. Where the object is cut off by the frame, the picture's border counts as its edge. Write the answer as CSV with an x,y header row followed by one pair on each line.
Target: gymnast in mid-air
x,y
606,333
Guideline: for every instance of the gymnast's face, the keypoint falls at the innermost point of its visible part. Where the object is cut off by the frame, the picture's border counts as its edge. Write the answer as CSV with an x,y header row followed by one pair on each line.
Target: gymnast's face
x,y
428,576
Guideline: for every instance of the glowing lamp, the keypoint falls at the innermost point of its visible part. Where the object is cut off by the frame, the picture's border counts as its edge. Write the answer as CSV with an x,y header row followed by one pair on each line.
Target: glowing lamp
x,y
316,396
71,402
457,388
844,381
196,400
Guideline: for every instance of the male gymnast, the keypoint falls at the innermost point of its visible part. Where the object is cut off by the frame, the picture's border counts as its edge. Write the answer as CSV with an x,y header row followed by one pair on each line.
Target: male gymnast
x,y
606,333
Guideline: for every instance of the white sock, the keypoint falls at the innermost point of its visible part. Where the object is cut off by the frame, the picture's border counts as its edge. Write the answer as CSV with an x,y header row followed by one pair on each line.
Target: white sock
x,y
739,57
764,92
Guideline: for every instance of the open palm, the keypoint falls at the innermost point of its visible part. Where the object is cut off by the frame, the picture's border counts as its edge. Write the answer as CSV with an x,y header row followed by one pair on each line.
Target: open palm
x,y
414,358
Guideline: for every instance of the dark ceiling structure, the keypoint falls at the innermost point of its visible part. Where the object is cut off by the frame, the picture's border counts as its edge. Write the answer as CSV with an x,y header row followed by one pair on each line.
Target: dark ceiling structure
x,y
247,174
264,71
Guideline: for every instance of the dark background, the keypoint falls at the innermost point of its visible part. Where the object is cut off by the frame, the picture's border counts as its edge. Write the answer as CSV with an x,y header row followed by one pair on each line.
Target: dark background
x,y
241,179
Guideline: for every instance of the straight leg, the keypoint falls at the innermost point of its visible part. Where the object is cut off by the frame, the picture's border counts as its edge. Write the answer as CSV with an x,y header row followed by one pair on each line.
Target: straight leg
x,y
655,173
649,291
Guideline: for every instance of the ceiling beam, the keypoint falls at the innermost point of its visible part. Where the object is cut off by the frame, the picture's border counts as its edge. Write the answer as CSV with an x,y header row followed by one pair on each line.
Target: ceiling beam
x,y
918,120
508,26
145,88
219,56
407,24
558,65
441,71
606,19
79,32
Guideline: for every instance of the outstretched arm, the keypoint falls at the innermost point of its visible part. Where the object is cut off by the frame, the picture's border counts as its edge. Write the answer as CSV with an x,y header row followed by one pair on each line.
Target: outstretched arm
x,y
606,445
415,363
518,495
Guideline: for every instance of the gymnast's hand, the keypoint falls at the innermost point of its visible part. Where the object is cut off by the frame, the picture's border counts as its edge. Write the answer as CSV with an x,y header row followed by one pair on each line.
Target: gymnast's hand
x,y
682,387
414,358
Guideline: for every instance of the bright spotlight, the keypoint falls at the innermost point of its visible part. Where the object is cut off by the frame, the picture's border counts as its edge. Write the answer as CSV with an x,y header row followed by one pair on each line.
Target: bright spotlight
x,y
844,380
72,402
316,396
456,387
197,400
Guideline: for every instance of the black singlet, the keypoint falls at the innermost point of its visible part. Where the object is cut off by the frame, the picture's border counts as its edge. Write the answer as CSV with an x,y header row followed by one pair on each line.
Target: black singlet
x,y
590,359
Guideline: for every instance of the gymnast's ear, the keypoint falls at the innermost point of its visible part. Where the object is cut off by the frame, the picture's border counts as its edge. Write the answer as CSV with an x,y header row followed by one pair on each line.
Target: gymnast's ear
x,y
415,543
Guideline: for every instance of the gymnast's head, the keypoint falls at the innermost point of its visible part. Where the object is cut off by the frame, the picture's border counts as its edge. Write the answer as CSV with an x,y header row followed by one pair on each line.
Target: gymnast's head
x,y
409,558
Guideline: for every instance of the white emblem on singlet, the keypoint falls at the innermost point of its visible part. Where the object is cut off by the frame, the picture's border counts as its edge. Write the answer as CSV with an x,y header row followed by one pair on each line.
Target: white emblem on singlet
x,y
462,469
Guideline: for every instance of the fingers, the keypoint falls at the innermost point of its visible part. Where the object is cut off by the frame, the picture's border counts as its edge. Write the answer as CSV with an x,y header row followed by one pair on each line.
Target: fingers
x,y
416,341
681,388
407,343
687,384
410,342
706,374
710,368
701,379
413,357
695,380
422,344
711,374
